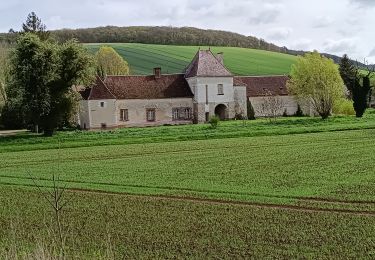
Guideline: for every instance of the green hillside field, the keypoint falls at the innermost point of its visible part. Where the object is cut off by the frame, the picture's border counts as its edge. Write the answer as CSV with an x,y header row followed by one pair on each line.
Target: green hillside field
x,y
174,59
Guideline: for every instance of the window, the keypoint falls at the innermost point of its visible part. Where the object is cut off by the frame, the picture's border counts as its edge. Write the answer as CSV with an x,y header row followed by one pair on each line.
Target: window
x,y
181,113
220,89
102,104
150,115
124,115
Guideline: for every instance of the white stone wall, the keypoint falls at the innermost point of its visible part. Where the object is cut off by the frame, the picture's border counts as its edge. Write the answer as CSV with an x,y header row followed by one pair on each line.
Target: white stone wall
x,y
163,111
290,105
84,114
198,87
102,115
240,101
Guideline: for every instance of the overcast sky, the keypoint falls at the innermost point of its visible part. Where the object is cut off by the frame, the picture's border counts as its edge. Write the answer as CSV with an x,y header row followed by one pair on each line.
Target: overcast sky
x,y
334,26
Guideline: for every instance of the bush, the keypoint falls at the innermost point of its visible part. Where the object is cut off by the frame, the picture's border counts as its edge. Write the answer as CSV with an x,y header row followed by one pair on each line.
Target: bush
x,y
299,112
214,121
250,111
12,116
343,107
285,113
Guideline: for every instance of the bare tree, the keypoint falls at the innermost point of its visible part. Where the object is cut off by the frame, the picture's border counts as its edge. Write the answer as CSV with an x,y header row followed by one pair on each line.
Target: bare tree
x,y
271,106
55,198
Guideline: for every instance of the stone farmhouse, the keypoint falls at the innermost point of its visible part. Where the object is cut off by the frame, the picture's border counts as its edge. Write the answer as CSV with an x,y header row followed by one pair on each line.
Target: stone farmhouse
x,y
205,89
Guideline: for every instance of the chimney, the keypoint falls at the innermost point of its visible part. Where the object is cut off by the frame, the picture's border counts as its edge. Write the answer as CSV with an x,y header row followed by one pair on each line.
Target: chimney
x,y
157,73
220,58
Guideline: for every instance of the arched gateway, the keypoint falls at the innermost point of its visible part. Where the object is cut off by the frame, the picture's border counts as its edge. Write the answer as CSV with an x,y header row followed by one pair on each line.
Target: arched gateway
x,y
221,112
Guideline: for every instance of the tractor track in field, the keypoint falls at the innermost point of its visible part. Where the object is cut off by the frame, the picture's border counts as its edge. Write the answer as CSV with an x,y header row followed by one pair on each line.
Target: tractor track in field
x,y
227,202
233,203
186,189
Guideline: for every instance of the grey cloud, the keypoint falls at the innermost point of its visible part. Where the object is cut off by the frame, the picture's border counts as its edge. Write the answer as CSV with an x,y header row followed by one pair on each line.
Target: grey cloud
x,y
363,3
323,21
267,15
372,53
281,33
302,44
339,46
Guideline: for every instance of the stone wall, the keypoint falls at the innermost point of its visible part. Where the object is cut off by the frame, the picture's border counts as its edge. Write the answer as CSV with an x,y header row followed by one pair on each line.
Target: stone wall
x,y
289,105
240,104
163,111
84,114
100,116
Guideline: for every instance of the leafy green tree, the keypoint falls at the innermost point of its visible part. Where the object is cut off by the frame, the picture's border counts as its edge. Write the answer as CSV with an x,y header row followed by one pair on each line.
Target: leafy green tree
x,y
109,62
360,94
353,78
348,73
316,79
33,66
43,74
34,25
74,67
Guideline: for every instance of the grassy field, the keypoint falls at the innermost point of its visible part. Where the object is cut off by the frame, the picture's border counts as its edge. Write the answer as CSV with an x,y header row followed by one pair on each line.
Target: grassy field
x,y
300,187
174,59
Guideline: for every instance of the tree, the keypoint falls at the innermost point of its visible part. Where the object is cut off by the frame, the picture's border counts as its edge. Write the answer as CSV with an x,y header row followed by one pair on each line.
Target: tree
x,y
348,73
352,77
43,74
250,110
109,62
33,66
317,80
34,25
361,93
74,67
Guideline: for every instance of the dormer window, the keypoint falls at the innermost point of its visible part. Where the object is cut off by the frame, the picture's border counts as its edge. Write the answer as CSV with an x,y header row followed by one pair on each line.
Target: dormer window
x,y
220,89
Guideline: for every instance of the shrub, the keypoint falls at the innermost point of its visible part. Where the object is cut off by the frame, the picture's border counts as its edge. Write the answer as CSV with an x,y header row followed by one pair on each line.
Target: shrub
x,y
285,113
299,112
250,111
343,107
214,121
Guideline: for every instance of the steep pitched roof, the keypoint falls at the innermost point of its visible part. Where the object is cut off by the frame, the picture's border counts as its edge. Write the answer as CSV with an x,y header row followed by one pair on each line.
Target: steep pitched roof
x,y
205,64
148,87
101,91
260,86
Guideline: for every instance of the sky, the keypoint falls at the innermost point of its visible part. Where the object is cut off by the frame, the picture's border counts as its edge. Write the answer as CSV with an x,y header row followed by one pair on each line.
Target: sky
x,y
332,26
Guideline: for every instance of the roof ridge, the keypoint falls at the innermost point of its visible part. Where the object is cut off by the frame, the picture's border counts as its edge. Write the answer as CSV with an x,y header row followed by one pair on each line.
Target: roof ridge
x,y
148,75
260,76
222,64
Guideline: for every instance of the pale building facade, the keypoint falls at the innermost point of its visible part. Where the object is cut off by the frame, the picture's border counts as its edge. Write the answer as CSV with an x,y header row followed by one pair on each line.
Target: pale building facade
x,y
205,89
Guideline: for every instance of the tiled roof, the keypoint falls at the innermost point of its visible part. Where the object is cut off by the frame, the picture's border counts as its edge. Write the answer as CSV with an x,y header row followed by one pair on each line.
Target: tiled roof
x,y
260,86
139,87
85,93
205,64
101,91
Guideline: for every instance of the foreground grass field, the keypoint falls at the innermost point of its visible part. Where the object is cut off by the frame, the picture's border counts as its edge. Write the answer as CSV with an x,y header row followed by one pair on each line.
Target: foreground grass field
x,y
301,187
174,59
